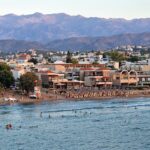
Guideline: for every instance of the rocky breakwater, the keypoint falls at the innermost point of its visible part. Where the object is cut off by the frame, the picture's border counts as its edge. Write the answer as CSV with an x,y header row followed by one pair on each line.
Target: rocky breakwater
x,y
101,94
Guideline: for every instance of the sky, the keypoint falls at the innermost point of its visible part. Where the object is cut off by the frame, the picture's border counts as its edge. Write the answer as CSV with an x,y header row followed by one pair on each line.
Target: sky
x,y
128,9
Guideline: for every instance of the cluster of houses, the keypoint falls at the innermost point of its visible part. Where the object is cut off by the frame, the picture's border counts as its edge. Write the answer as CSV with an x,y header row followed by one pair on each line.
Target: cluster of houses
x,y
56,73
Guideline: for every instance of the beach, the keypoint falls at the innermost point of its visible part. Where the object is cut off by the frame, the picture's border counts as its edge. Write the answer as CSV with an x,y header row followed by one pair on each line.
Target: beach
x,y
74,95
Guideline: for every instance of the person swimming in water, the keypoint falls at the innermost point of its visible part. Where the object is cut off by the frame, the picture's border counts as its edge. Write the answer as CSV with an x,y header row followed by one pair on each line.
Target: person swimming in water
x,y
9,126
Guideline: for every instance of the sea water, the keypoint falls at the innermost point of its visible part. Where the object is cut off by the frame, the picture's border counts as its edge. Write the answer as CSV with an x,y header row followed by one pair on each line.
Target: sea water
x,y
119,124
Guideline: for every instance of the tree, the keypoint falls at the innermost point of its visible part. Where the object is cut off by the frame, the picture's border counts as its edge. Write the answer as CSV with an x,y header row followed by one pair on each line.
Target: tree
x,y
105,55
6,76
74,61
69,57
116,56
28,81
50,60
1,87
95,63
134,59
98,53
33,60
4,66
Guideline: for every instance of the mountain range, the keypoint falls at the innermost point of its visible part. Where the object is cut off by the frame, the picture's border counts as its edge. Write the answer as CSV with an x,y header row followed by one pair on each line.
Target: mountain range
x,y
65,32
79,43
48,27
100,43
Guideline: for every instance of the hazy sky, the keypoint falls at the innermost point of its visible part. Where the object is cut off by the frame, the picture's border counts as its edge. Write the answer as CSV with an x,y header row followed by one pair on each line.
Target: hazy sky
x,y
99,8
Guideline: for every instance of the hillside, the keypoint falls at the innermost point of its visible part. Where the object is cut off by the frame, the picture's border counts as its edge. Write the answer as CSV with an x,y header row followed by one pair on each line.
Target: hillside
x,y
48,27
98,43
18,45
79,43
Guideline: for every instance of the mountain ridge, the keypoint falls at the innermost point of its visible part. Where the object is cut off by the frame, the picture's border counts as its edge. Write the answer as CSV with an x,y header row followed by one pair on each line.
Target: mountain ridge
x,y
99,43
78,43
48,27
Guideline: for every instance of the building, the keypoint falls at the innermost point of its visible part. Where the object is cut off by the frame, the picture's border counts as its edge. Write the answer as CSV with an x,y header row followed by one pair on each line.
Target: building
x,y
93,77
23,58
50,79
144,79
125,78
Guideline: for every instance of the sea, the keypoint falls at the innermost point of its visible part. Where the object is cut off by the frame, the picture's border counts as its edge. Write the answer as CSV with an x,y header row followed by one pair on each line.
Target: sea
x,y
117,124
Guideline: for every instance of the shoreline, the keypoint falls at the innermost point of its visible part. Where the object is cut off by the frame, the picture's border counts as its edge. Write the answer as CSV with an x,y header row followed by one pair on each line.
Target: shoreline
x,y
56,97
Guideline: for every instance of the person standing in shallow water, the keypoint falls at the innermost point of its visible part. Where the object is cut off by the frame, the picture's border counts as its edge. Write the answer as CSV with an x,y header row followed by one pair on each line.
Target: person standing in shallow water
x,y
49,116
41,114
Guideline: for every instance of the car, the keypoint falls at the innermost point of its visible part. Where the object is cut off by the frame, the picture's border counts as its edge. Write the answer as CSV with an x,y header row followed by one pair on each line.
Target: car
x,y
10,99
6,99
33,96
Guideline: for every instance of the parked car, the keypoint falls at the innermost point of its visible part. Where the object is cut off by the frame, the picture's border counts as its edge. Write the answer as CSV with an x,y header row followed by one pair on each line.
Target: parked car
x,y
10,99
33,96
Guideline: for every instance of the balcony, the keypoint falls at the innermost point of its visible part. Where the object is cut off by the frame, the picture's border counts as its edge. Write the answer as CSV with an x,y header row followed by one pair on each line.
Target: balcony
x,y
103,83
129,81
144,82
143,75
124,81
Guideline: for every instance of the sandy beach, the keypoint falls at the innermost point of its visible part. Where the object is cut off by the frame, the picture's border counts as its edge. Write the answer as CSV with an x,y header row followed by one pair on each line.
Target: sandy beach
x,y
74,95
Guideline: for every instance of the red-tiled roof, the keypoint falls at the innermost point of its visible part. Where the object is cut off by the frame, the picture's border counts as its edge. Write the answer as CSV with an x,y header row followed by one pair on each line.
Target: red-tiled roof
x,y
23,56
48,71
